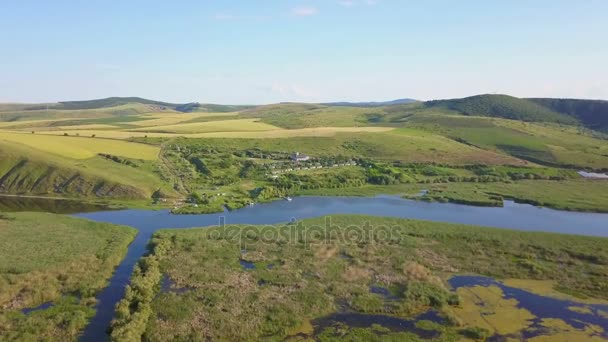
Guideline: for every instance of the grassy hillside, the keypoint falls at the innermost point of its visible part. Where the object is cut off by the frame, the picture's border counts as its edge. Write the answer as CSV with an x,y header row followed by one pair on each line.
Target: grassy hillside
x,y
110,102
502,106
102,108
294,115
591,113
31,171
547,144
97,113
58,261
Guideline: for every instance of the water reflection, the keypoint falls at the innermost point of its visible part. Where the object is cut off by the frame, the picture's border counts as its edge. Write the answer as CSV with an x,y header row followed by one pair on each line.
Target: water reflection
x,y
50,205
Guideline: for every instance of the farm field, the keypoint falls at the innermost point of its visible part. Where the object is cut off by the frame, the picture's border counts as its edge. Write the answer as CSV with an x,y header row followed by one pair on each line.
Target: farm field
x,y
237,125
290,287
51,268
150,120
231,133
82,147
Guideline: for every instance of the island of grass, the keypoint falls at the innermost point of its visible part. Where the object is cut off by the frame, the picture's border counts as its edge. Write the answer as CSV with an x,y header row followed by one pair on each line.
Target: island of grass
x,y
362,278
51,268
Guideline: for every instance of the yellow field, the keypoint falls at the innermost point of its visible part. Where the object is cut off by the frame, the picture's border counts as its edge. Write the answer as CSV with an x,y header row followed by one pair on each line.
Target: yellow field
x,y
82,147
163,119
274,133
75,127
239,125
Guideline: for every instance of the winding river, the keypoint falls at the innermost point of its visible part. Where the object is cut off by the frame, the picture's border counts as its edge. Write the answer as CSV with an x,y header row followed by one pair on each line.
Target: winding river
x,y
511,215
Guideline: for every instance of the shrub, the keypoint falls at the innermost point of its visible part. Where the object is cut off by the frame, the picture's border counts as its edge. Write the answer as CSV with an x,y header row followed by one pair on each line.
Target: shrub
x,y
476,333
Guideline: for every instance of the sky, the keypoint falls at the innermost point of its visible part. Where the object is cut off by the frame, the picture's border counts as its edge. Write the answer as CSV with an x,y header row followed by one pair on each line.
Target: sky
x,y
263,51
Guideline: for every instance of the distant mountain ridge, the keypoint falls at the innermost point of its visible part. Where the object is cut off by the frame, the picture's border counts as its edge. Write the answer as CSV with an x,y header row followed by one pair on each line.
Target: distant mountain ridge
x,y
592,114
371,103
120,101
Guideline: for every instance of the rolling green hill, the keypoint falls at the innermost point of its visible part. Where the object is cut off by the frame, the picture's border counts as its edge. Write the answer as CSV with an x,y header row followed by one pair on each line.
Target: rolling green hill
x,y
104,108
110,102
157,105
502,106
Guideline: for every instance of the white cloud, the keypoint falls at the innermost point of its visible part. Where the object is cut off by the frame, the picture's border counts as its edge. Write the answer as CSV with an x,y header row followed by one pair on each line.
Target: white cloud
x,y
346,3
304,11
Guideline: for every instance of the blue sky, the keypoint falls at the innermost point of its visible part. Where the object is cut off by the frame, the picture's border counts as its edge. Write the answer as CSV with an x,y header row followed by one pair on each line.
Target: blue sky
x,y
262,51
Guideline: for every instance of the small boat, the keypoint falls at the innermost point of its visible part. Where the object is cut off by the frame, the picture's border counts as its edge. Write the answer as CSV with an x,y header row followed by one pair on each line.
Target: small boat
x,y
288,199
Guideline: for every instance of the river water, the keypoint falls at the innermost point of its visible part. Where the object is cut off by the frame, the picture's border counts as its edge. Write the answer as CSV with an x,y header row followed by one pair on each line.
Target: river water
x,y
511,215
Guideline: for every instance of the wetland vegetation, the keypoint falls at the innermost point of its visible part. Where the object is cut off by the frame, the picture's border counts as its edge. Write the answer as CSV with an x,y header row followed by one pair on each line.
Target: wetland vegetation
x,y
298,277
51,268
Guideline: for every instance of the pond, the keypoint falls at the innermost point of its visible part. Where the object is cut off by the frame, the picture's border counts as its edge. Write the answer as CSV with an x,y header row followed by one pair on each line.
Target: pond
x,y
579,316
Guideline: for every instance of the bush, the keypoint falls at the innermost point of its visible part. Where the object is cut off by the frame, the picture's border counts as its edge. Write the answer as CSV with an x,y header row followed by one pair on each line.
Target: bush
x,y
476,333
133,311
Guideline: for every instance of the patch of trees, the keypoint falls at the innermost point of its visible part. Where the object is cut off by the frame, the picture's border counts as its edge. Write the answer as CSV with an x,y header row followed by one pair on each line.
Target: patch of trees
x,y
200,166
267,193
118,159
591,113
503,106
293,181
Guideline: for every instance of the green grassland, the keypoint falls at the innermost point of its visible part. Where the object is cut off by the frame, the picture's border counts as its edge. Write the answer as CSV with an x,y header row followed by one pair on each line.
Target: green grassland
x,y
303,272
47,258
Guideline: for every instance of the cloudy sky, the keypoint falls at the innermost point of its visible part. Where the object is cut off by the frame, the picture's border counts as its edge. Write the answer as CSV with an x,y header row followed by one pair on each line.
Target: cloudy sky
x,y
262,51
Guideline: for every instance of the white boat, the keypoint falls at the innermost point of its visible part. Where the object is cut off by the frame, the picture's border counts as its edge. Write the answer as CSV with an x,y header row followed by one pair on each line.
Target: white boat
x,y
288,199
